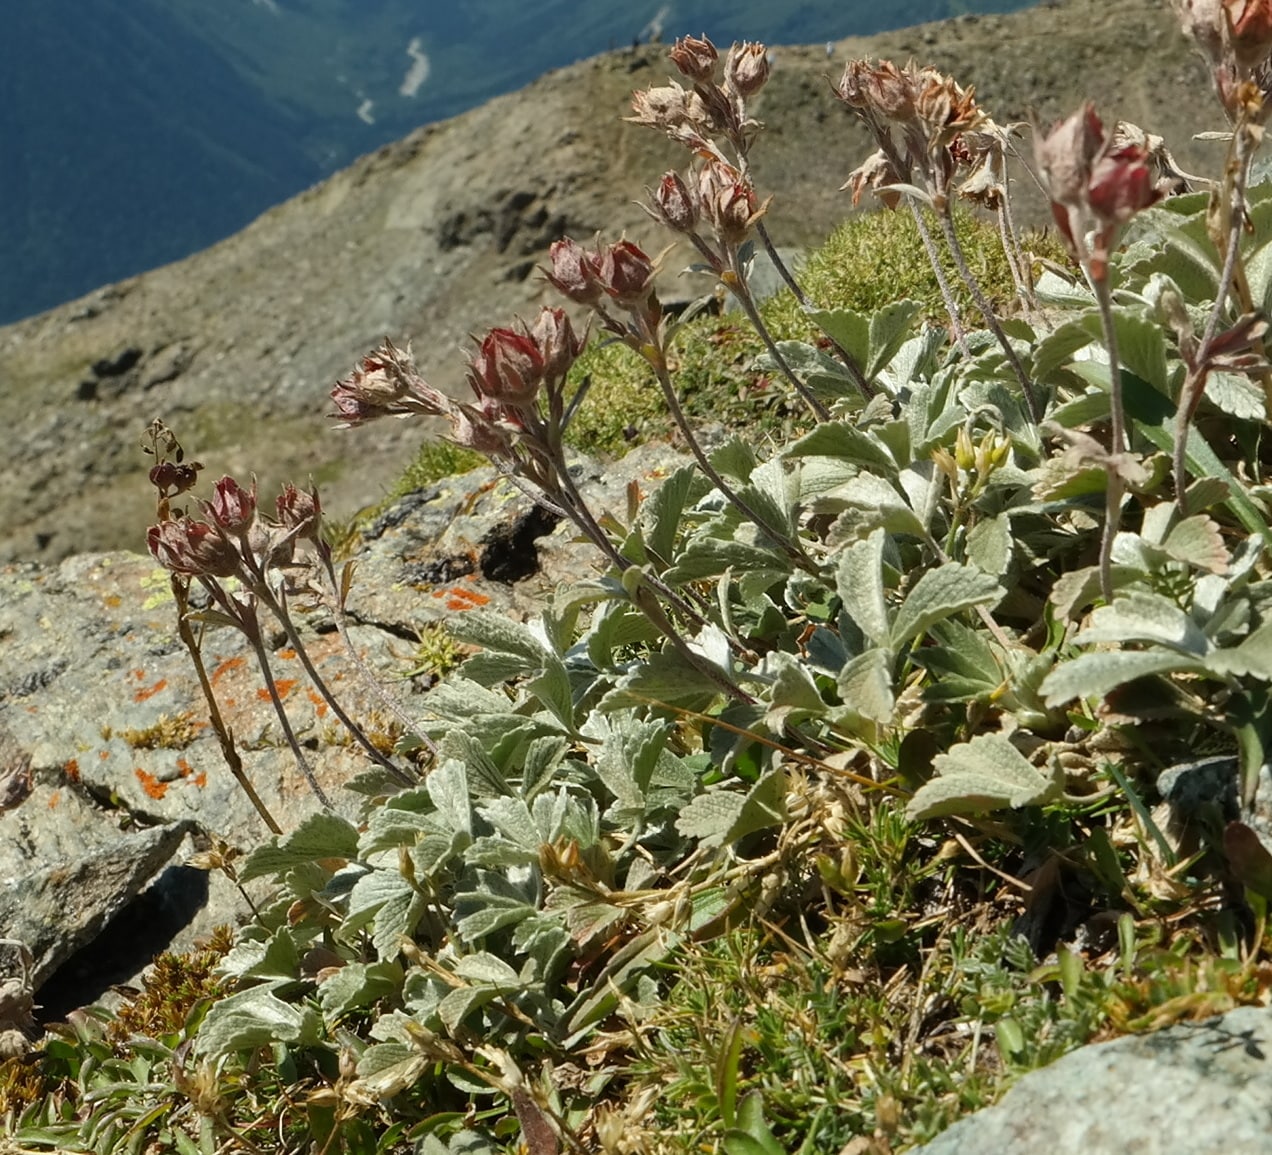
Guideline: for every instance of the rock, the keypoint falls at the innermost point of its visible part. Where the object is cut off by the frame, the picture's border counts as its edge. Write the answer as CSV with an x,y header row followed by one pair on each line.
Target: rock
x,y
1191,1089
110,773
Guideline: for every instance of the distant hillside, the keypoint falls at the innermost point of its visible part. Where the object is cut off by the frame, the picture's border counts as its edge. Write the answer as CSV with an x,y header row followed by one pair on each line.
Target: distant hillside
x,y
135,132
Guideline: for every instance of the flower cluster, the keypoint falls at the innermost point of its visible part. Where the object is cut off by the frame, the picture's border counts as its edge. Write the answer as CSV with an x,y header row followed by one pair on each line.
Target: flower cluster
x,y
1097,181
926,126
509,371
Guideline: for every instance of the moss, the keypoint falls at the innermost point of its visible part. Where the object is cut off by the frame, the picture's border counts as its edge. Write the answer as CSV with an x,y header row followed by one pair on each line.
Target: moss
x,y
169,732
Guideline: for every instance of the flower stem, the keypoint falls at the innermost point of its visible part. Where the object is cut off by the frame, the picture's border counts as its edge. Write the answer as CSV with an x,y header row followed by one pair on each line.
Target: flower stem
x,y
947,294
1116,486
955,247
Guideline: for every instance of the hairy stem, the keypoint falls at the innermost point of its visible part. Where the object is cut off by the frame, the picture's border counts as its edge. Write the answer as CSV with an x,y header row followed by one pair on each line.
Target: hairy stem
x,y
278,608
181,593
955,247
1117,436
942,282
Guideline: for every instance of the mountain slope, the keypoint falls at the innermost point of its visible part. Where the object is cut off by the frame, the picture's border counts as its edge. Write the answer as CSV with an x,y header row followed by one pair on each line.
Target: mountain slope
x,y
437,236
134,132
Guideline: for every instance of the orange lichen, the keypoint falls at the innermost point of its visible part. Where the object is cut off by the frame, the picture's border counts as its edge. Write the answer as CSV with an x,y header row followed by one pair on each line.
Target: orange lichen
x,y
320,707
225,667
458,598
200,779
284,686
287,655
113,600
71,770
150,784
103,754
150,691
184,768
54,799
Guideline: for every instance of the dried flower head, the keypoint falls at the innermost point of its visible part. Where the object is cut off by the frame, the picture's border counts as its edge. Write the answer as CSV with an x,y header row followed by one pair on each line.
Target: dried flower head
x,y
299,511
695,57
727,201
626,273
507,367
385,384
573,272
559,346
746,68
876,174
673,204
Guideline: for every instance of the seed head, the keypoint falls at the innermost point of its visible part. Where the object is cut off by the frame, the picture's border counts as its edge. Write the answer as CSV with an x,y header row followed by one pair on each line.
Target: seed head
x,y
746,69
507,367
573,272
674,204
232,507
625,273
185,546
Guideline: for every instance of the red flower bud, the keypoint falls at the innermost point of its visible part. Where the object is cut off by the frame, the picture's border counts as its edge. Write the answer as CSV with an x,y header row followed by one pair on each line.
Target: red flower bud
x,y
507,367
747,68
674,204
232,507
695,58
1250,25
626,273
192,547
573,272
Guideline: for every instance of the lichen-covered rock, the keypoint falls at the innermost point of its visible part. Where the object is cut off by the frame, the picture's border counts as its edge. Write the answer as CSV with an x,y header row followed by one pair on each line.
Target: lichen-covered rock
x,y
109,762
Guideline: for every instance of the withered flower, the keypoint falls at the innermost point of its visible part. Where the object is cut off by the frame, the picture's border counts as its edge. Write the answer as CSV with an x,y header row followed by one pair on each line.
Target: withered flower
x,y
1096,184
666,107
385,384
727,201
746,68
625,272
559,346
695,57
875,174
299,511
674,204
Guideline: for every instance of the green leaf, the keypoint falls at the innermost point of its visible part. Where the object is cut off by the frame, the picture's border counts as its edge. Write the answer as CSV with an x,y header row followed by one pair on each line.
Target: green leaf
x,y
1236,395
844,442
1139,616
1253,657
859,583
552,688
848,329
938,594
392,902
320,836
987,773
358,985
1057,348
661,512
706,557
722,816
989,544
630,749
865,685
1141,345
256,1017
878,504
888,329
819,371
501,634
1198,541
1094,675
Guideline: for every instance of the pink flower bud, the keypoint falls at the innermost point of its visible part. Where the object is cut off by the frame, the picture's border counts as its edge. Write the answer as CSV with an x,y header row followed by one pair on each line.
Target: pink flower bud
x,y
674,204
573,272
695,58
507,367
192,547
232,507
626,273
1250,30
747,68
559,346
1121,183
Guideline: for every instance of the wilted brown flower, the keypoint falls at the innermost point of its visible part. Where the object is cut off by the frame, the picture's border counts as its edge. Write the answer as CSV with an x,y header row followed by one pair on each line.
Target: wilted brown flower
x,y
573,272
625,272
727,201
558,344
666,107
299,511
385,384
875,175
746,68
674,204
695,58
